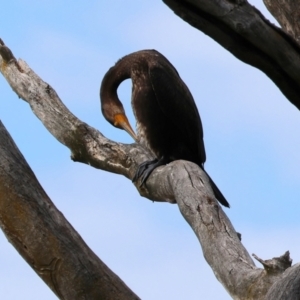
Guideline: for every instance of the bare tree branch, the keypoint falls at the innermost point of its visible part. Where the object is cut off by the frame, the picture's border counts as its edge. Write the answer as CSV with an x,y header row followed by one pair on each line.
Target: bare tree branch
x,y
179,182
45,239
287,13
247,34
87,145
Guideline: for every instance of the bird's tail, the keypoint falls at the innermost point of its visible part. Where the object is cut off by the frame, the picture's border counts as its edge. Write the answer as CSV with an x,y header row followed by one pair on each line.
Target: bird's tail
x,y
217,192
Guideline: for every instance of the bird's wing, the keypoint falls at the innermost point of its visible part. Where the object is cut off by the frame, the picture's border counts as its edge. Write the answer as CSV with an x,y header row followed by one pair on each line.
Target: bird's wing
x,y
177,103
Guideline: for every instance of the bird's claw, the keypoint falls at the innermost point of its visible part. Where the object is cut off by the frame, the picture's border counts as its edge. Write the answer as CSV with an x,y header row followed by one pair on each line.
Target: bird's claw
x,y
143,171
146,168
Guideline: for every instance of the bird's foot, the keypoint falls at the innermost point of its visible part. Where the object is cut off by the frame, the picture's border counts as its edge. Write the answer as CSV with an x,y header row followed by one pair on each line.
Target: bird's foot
x,y
146,168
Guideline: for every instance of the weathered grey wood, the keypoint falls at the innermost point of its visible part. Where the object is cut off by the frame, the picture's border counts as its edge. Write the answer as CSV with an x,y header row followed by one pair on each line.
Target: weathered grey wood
x,y
287,13
245,32
45,239
179,182
220,243
288,287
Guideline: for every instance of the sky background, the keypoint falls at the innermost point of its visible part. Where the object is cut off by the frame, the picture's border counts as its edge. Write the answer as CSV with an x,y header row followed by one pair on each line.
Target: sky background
x,y
251,136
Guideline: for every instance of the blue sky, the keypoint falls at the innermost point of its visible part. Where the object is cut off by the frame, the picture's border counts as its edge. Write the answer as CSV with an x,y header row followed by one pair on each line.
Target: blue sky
x,y
251,136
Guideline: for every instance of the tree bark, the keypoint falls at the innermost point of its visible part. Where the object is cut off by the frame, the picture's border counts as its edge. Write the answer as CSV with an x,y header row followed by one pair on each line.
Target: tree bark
x,y
45,239
241,29
288,287
179,182
287,13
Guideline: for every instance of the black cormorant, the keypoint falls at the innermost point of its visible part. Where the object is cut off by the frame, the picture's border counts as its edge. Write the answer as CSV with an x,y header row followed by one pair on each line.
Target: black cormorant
x,y
168,122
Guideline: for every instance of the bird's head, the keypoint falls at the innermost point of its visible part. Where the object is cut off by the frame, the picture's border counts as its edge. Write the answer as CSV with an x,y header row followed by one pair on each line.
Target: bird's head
x,y
111,106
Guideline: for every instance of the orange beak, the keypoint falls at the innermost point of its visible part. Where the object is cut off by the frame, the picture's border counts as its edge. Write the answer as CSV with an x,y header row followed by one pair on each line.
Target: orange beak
x,y
121,121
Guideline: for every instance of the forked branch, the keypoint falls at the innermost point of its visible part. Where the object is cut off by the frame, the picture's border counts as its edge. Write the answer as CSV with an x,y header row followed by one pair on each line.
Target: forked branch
x,y
179,182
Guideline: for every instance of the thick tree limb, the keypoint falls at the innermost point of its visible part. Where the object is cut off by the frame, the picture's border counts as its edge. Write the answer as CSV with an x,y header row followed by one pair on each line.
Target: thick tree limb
x,y
45,239
245,32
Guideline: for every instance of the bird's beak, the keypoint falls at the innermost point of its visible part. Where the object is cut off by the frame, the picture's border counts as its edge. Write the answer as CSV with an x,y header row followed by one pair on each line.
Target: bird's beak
x,y
126,126
122,122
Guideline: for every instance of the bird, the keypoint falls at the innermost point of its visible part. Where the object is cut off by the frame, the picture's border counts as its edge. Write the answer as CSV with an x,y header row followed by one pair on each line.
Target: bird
x,y
167,119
